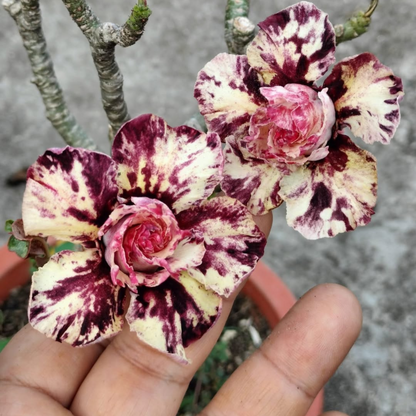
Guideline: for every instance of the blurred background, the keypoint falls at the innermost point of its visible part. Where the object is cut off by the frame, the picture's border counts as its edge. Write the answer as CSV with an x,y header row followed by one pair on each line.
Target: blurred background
x,y
376,262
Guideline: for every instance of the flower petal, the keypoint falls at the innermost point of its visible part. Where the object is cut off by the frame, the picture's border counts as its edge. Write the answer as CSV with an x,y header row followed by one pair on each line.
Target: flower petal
x,y
189,253
73,299
296,45
334,195
366,95
173,315
137,257
69,194
233,243
179,166
227,91
253,182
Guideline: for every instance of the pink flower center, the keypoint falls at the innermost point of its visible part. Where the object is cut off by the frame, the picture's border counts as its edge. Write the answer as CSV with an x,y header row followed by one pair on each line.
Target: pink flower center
x,y
149,237
140,240
294,127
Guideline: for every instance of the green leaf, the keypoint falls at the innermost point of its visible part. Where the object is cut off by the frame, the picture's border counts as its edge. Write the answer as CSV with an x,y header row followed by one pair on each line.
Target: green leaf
x,y
8,226
21,248
33,266
67,245
3,343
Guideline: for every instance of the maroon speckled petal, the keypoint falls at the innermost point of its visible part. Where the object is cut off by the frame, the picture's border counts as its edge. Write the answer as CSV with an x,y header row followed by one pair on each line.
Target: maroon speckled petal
x,y
173,315
69,194
227,91
73,299
253,182
233,243
366,96
333,195
296,45
179,166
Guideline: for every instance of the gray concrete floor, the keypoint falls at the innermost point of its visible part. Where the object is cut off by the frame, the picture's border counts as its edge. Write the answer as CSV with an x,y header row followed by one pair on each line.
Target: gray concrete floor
x,y
376,262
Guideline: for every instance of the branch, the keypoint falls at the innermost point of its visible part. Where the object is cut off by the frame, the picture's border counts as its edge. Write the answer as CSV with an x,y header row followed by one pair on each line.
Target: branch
x,y
133,29
239,30
103,38
356,25
26,14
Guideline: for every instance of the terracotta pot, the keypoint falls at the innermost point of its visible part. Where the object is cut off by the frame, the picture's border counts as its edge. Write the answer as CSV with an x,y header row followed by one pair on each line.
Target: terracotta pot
x,y
264,287
14,271
274,300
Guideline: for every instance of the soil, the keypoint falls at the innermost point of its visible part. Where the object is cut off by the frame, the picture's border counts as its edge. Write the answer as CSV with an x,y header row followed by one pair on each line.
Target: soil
x,y
244,331
14,311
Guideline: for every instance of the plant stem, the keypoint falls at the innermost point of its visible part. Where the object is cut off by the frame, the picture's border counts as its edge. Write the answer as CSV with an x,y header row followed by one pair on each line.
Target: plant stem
x,y
356,25
133,29
239,30
103,38
27,16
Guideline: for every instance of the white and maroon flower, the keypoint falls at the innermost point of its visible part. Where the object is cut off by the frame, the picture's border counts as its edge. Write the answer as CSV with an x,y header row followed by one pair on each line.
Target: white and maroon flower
x,y
146,224
283,132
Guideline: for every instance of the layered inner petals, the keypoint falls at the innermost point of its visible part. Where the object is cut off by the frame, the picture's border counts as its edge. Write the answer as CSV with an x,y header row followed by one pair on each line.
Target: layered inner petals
x,y
233,243
253,182
69,194
73,299
296,45
179,166
366,95
293,128
333,195
141,243
173,315
227,91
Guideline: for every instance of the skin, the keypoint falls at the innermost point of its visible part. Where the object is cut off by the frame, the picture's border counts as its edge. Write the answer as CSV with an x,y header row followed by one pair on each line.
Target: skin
x,y
39,376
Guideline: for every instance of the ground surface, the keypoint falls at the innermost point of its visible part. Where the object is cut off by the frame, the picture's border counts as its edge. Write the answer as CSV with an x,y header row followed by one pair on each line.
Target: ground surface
x,y
376,262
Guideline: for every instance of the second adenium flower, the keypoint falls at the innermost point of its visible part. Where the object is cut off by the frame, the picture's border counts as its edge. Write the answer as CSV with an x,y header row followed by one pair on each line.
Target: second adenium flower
x,y
283,132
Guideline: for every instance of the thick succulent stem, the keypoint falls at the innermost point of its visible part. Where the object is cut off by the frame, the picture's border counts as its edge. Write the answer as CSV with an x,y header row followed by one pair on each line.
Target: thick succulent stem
x,y
27,16
103,38
239,30
356,25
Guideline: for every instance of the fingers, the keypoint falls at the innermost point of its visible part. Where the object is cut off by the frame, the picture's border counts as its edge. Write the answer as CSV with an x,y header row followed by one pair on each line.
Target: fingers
x,y
140,380
41,367
295,362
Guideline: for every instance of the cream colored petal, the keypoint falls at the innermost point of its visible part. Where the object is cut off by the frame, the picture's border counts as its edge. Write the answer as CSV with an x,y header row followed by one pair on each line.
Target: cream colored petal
x,y
333,195
173,315
69,194
178,166
366,95
73,299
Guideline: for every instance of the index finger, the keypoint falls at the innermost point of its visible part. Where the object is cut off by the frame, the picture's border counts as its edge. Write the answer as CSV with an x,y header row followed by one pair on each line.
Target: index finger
x,y
284,376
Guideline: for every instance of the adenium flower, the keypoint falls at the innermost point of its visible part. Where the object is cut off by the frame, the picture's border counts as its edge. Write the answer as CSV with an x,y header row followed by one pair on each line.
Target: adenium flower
x,y
283,131
146,226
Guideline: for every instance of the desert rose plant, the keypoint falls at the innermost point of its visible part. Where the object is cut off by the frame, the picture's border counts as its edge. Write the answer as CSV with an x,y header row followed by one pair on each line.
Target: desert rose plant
x,y
166,221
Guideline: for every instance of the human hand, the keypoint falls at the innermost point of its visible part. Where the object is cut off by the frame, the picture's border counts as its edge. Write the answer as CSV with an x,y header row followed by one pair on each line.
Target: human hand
x,y
125,377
